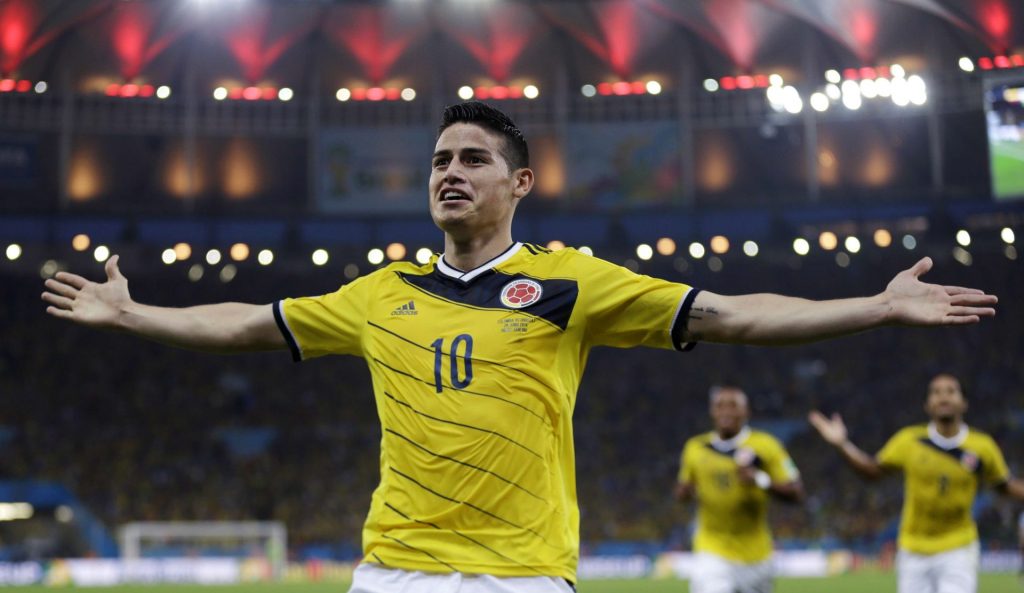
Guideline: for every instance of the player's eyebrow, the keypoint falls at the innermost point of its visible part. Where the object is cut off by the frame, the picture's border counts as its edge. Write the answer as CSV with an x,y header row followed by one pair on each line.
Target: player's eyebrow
x,y
469,150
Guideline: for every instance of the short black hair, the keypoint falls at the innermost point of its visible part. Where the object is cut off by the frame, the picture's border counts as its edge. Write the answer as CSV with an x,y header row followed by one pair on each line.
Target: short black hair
x,y
515,152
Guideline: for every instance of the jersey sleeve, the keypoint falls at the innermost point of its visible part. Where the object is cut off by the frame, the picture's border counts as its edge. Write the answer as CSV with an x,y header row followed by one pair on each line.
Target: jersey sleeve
x,y
687,465
327,324
894,453
995,469
780,465
624,309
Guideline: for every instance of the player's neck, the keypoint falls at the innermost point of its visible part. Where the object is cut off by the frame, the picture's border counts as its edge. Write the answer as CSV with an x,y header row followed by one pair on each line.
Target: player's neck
x,y
468,254
948,427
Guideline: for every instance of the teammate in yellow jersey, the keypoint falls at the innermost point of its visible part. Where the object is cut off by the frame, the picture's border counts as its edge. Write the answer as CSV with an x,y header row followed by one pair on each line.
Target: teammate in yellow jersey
x,y
732,471
943,464
476,358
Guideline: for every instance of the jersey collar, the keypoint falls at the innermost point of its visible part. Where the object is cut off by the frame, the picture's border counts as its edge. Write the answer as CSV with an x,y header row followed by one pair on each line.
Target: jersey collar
x,y
453,272
731,443
947,443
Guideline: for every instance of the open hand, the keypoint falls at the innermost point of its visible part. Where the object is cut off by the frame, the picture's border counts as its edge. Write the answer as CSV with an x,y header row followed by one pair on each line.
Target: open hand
x,y
71,296
912,302
833,430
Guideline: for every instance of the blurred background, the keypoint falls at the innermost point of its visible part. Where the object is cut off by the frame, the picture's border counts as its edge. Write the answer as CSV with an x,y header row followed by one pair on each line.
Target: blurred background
x,y
251,150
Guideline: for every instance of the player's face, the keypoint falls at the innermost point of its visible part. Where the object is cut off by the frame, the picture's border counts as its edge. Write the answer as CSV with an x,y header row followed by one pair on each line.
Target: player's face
x,y
945,399
729,411
472,191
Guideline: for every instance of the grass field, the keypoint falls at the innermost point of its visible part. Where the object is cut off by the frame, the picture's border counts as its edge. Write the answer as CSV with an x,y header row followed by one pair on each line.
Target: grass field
x,y
859,583
1008,169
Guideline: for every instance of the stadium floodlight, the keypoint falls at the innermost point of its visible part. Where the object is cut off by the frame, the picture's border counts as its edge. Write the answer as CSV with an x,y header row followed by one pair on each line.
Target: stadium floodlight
x,y
375,256
343,95
963,238
531,91
163,92
40,87
1007,235
220,93
966,64
195,273
828,240
588,90
852,244
465,93
909,242
715,264
408,94
182,251
644,251
833,76
213,257
792,101
80,242
696,250
585,250
883,238
653,87
1010,252
868,88
750,248
423,255
842,259
13,251
665,246
719,244
833,92
239,252
917,90
852,101
883,87
265,257
819,101
351,271
556,245
710,85
320,257
395,251
285,94
801,246
13,511
963,256
228,273
897,71
168,257
776,80
101,253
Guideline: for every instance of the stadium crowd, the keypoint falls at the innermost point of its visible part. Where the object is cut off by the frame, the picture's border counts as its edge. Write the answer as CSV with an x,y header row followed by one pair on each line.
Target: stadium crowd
x,y
142,432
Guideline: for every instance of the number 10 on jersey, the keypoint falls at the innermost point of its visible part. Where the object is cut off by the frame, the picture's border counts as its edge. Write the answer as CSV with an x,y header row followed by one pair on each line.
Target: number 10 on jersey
x,y
463,342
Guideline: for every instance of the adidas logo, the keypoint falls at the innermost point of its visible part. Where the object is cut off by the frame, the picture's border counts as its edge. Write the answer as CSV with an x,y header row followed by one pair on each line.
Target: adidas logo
x,y
406,309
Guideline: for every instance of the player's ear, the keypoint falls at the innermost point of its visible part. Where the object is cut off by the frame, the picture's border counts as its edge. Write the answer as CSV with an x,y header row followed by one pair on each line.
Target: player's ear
x,y
523,179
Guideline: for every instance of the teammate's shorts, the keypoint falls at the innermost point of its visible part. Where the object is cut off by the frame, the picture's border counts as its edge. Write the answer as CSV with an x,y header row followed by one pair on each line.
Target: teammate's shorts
x,y
955,571
371,578
714,574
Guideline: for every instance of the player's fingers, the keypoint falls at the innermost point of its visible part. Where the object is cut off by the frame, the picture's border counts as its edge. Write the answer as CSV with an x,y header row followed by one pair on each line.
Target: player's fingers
x,y
968,311
923,265
57,300
62,313
113,272
72,279
955,290
961,319
974,300
61,288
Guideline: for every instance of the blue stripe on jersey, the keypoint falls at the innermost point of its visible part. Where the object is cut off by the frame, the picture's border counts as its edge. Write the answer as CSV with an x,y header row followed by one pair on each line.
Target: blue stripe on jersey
x,y
558,296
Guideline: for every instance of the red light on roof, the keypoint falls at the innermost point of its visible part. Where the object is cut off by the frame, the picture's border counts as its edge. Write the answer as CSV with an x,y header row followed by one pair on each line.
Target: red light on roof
x,y
235,93
393,94
1002,62
375,94
146,90
482,92
23,86
761,81
251,93
728,83
851,74
604,88
499,92
515,92
359,94
113,90
621,88
883,71
6,85
129,90
637,88
1017,59
745,82
867,72
985,63
269,93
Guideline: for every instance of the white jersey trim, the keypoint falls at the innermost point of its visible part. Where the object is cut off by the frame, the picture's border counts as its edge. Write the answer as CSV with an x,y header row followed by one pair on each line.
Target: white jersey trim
x,y
947,443
452,272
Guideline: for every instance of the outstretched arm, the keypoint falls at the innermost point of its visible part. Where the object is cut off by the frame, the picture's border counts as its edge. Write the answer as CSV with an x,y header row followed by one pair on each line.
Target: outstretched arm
x,y
770,319
683,491
1014,488
833,430
223,327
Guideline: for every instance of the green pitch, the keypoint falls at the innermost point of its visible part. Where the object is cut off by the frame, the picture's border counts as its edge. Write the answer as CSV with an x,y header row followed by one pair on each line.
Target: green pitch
x,y
1007,169
859,583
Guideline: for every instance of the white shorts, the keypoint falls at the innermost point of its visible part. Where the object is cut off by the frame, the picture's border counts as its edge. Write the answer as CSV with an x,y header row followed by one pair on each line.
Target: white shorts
x,y
955,571
372,578
714,574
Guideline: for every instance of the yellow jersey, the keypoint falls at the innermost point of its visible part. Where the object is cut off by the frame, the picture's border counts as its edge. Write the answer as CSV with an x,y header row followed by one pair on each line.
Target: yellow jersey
x,y
732,517
475,377
941,477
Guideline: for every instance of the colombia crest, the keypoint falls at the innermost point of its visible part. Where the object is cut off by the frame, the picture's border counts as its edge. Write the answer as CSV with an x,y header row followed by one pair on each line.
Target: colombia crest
x,y
520,293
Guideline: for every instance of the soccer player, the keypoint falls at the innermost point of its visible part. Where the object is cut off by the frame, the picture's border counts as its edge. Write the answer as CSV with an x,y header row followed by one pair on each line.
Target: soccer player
x,y
732,471
476,357
943,463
